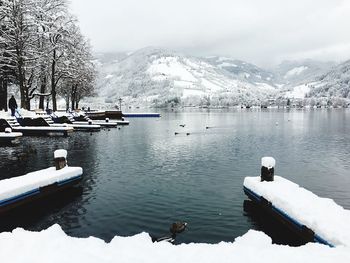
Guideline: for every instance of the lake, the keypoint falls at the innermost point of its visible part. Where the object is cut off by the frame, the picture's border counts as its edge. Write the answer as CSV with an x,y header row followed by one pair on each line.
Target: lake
x,y
144,177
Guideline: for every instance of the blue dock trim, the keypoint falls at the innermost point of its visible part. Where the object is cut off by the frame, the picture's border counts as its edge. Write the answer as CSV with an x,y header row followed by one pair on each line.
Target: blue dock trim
x,y
320,240
251,194
255,197
35,191
141,115
78,177
19,197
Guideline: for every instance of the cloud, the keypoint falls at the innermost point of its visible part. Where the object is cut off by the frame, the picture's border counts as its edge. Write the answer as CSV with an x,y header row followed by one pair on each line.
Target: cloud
x,y
263,32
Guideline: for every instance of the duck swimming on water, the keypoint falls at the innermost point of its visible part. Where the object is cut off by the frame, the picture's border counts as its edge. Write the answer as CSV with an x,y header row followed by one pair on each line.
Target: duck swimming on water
x,y
175,228
178,227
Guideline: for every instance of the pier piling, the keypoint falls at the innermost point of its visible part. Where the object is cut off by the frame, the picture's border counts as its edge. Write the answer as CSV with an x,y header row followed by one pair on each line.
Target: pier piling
x,y
60,157
267,168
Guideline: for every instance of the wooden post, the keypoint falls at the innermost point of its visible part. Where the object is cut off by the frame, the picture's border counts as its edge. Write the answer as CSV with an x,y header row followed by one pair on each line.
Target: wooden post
x,y
267,169
60,159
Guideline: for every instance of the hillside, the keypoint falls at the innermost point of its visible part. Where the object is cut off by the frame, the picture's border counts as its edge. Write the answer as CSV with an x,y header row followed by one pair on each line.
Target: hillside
x,y
160,76
335,83
293,73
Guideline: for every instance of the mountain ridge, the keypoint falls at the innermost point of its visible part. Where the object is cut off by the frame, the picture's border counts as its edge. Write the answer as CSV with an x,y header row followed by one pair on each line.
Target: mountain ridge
x,y
159,76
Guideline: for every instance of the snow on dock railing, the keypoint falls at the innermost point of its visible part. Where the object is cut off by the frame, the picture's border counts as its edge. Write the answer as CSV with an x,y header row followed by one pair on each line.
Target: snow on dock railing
x,y
328,220
17,189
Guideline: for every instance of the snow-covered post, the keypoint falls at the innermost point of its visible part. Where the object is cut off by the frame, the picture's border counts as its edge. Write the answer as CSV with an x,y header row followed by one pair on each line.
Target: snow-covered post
x,y
267,168
60,157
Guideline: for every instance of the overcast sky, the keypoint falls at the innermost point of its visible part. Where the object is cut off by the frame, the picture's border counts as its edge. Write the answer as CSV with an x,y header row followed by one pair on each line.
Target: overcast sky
x,y
259,31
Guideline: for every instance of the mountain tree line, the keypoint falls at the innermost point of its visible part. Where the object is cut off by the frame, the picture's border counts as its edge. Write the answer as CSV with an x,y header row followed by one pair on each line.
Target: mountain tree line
x,y
43,52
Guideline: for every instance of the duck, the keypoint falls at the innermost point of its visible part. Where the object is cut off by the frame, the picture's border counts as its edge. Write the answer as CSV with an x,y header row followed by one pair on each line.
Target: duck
x,y
175,228
178,227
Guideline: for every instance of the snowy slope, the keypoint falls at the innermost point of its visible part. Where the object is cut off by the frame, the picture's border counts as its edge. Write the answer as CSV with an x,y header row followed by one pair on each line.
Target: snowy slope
x,y
157,77
243,70
293,73
160,76
335,83
331,88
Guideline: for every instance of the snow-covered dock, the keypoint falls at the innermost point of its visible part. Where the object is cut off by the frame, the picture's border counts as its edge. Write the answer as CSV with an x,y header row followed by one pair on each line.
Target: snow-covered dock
x,y
8,136
11,122
67,120
23,189
141,115
104,124
319,219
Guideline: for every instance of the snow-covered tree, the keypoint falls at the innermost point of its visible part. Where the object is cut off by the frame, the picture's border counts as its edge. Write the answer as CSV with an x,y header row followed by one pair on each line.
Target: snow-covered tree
x,y
40,46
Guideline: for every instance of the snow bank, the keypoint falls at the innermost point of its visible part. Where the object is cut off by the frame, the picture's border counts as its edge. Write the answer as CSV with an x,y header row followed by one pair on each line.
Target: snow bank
x,y
12,187
5,114
26,113
53,245
322,215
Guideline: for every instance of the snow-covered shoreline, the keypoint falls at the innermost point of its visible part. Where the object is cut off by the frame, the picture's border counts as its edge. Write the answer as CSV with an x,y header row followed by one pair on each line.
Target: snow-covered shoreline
x,y
53,245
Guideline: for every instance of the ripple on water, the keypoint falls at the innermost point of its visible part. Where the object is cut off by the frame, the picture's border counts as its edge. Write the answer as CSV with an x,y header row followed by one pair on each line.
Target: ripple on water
x,y
143,177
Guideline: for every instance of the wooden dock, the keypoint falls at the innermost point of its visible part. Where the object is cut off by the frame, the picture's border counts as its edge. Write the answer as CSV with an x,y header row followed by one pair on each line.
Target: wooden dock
x,y
45,129
102,115
141,115
20,190
313,218
8,136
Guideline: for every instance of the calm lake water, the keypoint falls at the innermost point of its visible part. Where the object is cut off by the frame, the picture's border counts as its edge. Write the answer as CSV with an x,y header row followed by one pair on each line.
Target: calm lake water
x,y
144,177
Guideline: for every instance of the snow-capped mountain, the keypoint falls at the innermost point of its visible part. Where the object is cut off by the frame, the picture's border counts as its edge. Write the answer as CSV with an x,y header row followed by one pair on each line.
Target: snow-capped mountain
x,y
243,70
161,76
158,77
335,83
324,86
293,73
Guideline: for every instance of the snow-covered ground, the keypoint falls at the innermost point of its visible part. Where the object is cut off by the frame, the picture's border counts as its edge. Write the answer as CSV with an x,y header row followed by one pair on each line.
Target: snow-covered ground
x,y
298,92
53,245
